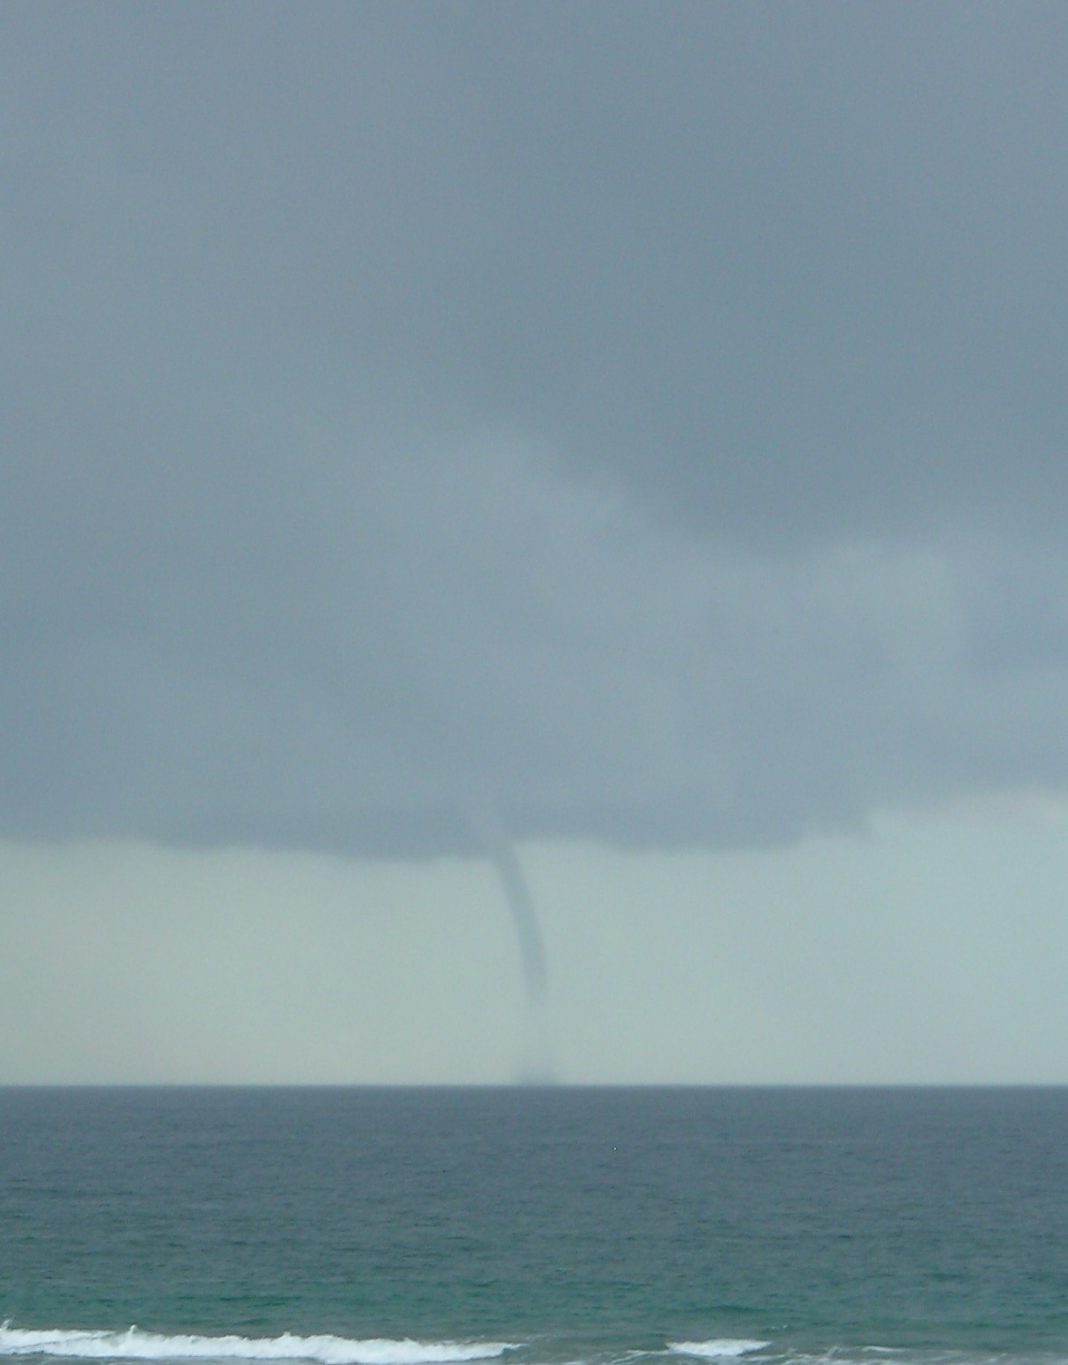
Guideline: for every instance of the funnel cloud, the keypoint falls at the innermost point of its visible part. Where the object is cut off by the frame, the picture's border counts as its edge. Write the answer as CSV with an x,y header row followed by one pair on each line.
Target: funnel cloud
x,y
502,856
536,1064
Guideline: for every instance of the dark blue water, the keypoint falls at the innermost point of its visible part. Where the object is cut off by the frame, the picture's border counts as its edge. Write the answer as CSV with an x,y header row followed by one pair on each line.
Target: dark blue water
x,y
397,1227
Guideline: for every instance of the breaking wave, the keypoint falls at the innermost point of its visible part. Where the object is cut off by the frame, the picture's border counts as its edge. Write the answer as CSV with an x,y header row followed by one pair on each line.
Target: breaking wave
x,y
133,1344
719,1349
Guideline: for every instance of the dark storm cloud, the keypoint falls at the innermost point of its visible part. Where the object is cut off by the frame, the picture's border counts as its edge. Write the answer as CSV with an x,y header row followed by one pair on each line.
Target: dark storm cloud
x,y
644,420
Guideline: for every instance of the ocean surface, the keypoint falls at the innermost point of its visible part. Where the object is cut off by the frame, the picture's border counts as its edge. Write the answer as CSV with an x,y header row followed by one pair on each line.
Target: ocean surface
x,y
534,1227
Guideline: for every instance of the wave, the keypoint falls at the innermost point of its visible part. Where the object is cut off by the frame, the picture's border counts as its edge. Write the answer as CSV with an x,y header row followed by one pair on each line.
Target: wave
x,y
718,1349
133,1344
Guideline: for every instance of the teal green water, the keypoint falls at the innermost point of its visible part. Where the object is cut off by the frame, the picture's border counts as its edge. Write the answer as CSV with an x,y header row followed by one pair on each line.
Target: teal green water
x,y
406,1227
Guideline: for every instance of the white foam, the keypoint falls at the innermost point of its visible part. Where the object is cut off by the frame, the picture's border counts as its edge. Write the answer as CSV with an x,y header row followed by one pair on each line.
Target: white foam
x,y
133,1344
720,1349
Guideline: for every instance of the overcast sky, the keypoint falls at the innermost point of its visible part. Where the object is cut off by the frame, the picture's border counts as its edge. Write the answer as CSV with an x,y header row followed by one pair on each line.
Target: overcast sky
x,y
637,429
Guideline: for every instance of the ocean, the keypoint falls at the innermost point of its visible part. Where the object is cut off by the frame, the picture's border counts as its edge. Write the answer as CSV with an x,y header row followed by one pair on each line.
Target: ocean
x,y
552,1226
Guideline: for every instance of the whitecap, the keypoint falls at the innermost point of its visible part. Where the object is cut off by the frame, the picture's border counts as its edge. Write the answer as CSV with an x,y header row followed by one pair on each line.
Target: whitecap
x,y
719,1349
133,1344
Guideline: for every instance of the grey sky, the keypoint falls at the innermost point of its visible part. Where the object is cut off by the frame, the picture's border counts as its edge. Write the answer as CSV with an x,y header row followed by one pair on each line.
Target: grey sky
x,y
644,421
648,418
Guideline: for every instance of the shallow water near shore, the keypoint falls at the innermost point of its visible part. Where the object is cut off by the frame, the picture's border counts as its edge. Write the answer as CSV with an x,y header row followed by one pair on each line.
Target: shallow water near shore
x,y
539,1226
